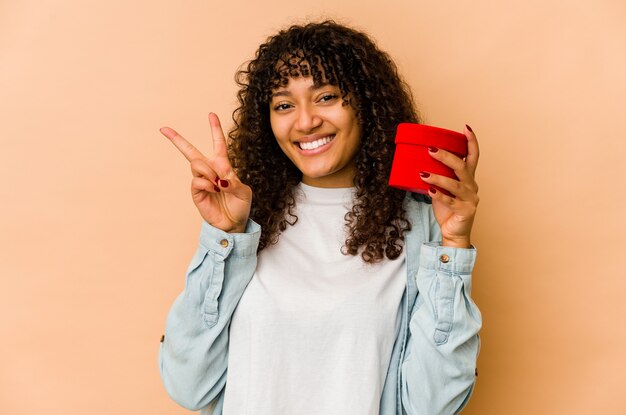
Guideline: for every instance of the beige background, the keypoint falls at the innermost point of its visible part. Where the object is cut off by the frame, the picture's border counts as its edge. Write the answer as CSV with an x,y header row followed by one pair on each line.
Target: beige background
x,y
97,225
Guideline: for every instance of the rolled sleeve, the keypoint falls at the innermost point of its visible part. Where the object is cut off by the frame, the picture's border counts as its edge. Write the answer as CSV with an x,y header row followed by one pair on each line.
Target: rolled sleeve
x,y
447,259
224,244
439,369
193,355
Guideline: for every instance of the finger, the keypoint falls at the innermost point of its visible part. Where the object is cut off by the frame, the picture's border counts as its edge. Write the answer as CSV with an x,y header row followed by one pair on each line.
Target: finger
x,y
202,184
454,162
219,141
459,207
472,149
231,184
224,170
439,196
184,146
200,168
462,191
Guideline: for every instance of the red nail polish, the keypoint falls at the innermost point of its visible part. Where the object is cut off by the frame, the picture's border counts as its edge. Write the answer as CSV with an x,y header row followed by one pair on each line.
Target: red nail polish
x,y
217,189
469,128
216,180
433,149
432,190
223,183
424,174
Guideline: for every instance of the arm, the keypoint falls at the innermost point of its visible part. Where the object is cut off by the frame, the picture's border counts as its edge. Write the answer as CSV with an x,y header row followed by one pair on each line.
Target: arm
x,y
438,370
438,367
194,353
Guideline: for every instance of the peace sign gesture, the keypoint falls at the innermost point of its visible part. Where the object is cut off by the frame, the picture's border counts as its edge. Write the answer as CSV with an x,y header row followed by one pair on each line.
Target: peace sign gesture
x,y
221,198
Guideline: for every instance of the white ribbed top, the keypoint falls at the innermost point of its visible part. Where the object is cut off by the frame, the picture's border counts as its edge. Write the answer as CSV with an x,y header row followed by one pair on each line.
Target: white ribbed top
x,y
314,330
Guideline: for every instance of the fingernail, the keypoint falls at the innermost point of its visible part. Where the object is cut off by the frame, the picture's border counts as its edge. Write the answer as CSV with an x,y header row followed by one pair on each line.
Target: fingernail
x,y
432,190
223,183
424,174
216,180
433,149
469,128
217,189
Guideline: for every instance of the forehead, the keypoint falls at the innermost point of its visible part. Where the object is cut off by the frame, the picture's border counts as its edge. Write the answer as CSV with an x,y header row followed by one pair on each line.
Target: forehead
x,y
298,85
295,65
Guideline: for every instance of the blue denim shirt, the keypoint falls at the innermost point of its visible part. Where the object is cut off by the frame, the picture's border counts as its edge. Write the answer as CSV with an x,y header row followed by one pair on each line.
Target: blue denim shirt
x,y
432,367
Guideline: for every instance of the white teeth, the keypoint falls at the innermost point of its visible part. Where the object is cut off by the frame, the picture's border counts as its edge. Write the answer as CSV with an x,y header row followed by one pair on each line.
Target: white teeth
x,y
317,143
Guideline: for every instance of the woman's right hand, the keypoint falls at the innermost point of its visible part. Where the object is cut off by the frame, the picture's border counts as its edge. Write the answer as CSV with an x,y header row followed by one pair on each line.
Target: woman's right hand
x,y
221,198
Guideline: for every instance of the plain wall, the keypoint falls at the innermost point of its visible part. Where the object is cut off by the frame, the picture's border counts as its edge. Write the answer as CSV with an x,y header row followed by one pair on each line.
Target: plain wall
x,y
97,225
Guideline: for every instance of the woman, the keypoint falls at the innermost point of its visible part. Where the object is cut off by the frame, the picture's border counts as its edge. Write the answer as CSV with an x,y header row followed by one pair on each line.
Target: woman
x,y
317,288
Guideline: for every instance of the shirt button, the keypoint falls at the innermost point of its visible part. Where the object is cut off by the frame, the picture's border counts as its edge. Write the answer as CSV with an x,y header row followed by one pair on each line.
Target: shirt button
x,y
444,258
224,243
162,338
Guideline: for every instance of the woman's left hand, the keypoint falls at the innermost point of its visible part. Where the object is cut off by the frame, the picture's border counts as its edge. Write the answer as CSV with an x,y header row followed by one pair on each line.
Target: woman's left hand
x,y
455,215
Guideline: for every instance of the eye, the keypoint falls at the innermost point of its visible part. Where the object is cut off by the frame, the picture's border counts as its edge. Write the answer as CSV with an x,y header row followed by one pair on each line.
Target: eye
x,y
328,97
281,107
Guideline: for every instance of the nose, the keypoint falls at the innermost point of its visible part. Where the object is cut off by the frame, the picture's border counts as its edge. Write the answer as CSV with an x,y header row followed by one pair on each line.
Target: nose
x,y
307,119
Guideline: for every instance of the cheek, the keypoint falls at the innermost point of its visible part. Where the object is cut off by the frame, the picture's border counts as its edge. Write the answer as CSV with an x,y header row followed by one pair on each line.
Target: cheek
x,y
283,147
350,122
281,137
356,132
279,130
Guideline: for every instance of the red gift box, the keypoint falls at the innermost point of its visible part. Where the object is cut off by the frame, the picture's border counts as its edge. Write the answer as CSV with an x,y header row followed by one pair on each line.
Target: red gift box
x,y
411,155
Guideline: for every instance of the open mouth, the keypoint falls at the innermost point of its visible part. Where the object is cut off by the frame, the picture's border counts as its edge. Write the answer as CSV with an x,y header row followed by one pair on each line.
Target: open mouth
x,y
312,145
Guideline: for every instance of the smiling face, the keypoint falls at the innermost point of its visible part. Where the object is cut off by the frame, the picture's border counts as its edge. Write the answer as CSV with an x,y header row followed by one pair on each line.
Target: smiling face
x,y
316,132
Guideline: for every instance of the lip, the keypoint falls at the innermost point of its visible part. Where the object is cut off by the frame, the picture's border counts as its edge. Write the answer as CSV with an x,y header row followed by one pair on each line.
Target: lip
x,y
315,151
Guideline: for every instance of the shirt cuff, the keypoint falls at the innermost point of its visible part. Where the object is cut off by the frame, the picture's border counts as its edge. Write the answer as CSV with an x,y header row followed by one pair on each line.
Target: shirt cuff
x,y
447,259
224,243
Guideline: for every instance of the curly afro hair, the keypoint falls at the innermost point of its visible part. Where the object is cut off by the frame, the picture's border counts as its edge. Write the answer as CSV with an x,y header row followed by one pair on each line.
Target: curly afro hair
x,y
329,53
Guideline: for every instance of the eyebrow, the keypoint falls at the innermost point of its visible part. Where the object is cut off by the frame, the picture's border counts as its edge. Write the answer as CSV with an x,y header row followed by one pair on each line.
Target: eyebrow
x,y
286,93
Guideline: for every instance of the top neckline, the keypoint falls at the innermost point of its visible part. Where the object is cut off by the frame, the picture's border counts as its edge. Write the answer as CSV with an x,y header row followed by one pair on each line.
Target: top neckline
x,y
326,194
